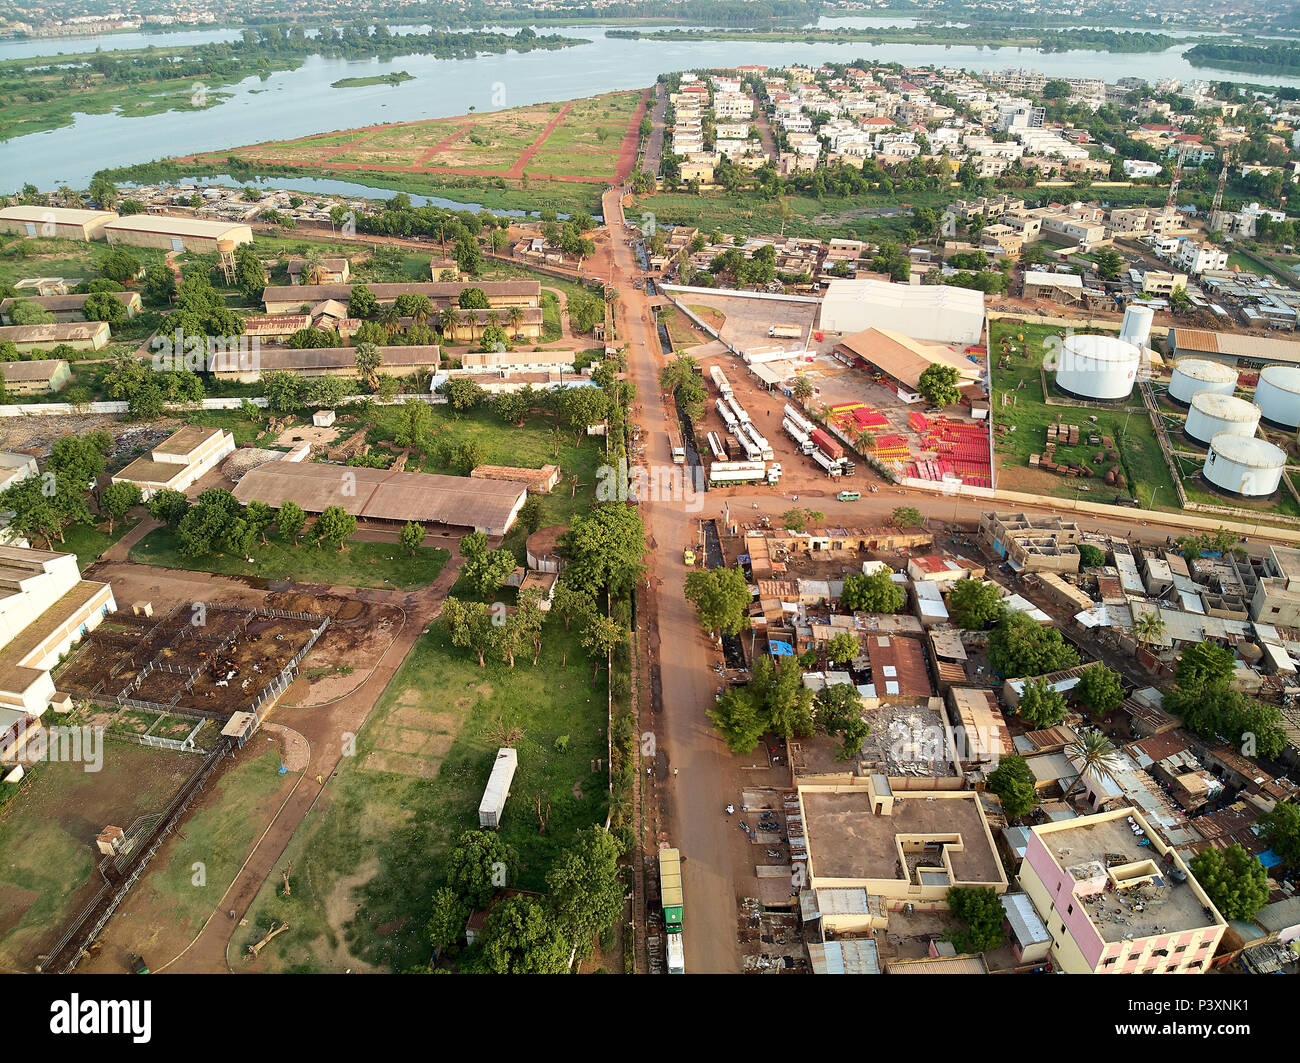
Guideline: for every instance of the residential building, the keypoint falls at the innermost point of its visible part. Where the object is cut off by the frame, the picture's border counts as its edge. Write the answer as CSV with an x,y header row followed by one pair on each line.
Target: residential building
x,y
36,377
81,335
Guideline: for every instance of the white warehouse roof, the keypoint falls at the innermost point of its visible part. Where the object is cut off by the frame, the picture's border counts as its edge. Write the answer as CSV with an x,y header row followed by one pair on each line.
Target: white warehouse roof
x,y
926,312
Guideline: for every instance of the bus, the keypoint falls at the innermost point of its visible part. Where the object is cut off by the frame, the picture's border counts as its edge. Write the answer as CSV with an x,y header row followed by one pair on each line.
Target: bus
x,y
849,496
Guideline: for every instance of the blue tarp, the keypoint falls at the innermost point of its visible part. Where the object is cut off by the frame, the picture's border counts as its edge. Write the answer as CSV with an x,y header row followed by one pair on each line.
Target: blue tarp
x,y
1269,858
779,649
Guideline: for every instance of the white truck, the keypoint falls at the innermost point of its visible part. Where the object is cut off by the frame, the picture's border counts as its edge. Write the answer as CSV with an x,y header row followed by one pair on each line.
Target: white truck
x,y
764,447
735,472
806,445
738,410
725,412
832,466
720,381
797,416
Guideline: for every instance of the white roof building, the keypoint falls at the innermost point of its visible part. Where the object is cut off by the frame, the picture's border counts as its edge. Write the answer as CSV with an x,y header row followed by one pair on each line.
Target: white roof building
x,y
925,312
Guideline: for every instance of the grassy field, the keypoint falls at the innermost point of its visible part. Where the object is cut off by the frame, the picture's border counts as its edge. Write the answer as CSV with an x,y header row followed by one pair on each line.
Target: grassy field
x,y
47,837
359,564
366,867
41,256
89,541
1134,437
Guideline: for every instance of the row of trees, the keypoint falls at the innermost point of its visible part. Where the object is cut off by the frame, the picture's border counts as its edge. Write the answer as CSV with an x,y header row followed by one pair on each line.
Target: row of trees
x,y
216,522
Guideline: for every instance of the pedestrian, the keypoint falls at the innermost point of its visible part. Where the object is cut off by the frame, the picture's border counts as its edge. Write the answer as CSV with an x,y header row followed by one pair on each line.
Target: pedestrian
x,y
675,772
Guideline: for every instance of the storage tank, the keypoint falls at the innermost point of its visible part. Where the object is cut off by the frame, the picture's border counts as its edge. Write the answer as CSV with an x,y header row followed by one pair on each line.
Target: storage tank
x,y
1278,395
1136,326
1211,414
1243,465
1192,375
1098,368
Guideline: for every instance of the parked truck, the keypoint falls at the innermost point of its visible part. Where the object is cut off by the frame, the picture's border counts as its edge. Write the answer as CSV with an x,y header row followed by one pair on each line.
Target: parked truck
x,y
785,332
726,413
832,467
741,414
736,472
674,908
828,446
679,450
799,418
720,381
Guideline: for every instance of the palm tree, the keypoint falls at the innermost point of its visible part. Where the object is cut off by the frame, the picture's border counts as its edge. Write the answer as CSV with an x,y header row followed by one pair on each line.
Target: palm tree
x,y
515,315
493,318
448,322
1149,628
389,317
1095,753
421,308
313,267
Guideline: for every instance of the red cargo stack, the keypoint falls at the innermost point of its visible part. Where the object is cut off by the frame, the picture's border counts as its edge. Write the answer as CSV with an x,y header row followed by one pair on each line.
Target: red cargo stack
x,y
827,445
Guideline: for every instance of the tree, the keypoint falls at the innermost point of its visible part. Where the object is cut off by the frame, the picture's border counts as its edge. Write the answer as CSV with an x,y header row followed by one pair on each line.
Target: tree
x,y
521,937
362,302
26,312
1282,832
1020,647
842,647
260,516
103,306
368,361
571,603
837,710
168,506
1091,556
1148,628
601,634
938,383
473,298
462,393
1013,782
470,627
1040,704
117,498
975,604
413,424
1093,754
907,517
1234,880
289,520
486,572
802,388
721,597
1205,664
739,718
479,866
447,923
581,408
798,518
469,256
119,265
1110,263
1100,690
605,547
874,593
586,890
215,522
333,526
983,915
530,514
412,536
250,275
282,390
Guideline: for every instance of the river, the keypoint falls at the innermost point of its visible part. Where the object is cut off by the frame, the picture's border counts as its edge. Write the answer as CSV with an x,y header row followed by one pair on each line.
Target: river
x,y
300,102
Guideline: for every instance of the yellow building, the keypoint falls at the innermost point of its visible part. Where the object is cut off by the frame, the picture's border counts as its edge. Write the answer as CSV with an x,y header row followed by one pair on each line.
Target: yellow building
x,y
177,234
62,222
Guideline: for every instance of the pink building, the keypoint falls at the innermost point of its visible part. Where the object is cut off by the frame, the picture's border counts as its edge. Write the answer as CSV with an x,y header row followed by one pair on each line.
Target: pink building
x,y
1116,899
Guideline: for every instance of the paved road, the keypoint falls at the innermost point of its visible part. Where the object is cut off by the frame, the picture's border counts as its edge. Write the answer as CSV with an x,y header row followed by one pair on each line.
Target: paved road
x,y
697,795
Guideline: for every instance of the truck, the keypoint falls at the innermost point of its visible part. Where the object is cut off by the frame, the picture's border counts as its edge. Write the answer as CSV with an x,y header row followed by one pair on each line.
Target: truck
x,y
826,444
832,467
720,381
785,332
715,445
725,412
736,472
679,450
674,907
797,417
774,473
760,442
741,415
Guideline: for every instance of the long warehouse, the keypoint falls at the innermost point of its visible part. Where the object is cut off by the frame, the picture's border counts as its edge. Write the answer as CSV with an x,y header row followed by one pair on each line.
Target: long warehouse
x,y
488,506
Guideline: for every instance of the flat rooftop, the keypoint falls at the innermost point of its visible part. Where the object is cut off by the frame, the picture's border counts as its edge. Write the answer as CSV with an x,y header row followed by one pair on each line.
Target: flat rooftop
x,y
1086,849
186,440
846,841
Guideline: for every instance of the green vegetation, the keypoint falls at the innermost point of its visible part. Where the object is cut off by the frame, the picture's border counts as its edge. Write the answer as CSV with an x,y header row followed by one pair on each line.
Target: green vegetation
x,y
1280,58
395,78
1099,690
983,915
975,604
1282,832
1018,646
774,700
837,711
1207,704
361,564
1013,782
721,597
874,593
1235,881
1040,705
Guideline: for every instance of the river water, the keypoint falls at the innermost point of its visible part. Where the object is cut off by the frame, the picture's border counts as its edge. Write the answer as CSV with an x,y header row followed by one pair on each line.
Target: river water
x,y
300,102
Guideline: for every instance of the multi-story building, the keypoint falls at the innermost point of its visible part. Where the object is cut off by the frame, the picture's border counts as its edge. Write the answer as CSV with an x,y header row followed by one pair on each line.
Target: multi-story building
x,y
1197,258
1277,594
1116,899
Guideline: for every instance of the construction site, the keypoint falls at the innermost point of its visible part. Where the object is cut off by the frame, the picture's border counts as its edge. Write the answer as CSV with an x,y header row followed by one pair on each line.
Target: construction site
x,y
208,660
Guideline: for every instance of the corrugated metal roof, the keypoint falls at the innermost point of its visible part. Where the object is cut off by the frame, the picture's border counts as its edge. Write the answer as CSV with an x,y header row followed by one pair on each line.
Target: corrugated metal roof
x,y
1026,926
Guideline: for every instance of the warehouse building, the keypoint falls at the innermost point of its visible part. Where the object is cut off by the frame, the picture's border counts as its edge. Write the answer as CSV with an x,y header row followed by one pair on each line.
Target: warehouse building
x,y
1248,352
326,361
46,607
179,461
81,335
177,234
898,360
488,506
35,378
64,223
938,312
290,298
69,307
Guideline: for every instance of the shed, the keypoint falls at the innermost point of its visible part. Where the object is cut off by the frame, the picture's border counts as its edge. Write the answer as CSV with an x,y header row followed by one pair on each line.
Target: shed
x,y
498,787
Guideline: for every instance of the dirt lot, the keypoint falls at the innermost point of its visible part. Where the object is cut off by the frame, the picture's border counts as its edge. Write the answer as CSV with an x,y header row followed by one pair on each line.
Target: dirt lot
x,y
37,435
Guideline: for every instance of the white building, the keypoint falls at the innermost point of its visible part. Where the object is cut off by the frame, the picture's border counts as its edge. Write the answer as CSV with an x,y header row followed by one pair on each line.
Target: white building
x,y
1138,168
45,607
179,461
1196,258
939,312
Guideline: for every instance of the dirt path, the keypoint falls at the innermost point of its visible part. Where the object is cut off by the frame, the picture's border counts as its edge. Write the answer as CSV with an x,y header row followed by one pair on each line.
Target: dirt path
x,y
517,170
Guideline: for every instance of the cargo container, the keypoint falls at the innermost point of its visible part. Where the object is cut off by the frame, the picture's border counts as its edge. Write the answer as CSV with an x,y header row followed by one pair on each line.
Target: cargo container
x,y
828,446
670,890
498,788
679,451
785,332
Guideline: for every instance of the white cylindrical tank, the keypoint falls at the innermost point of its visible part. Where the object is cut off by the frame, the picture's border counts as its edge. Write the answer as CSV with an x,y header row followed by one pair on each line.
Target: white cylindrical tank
x,y
1211,414
1192,375
1278,395
1244,466
1097,367
1136,326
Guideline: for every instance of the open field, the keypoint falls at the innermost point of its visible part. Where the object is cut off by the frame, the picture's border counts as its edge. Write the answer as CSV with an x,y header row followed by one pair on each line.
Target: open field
x,y
1148,476
47,837
41,256
366,867
359,564
581,141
